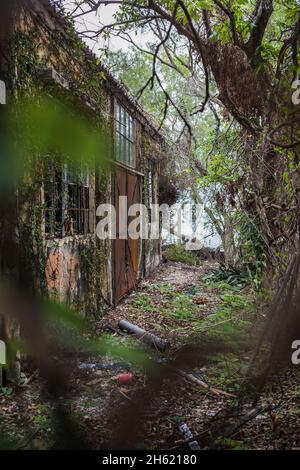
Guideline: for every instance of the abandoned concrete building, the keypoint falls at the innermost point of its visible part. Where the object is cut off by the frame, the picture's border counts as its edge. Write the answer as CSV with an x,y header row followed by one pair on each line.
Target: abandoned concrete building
x,y
48,57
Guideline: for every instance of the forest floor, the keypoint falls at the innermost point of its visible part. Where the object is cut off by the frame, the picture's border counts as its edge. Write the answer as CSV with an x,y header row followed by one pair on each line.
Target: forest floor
x,y
212,328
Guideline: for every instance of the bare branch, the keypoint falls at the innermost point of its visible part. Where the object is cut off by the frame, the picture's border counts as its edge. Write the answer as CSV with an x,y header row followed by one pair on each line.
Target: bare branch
x,y
166,16
95,6
217,129
143,21
165,39
201,51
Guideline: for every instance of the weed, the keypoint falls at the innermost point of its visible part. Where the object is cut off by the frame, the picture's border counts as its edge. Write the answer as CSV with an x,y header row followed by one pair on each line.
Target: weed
x,y
178,253
143,302
182,308
232,444
231,275
43,419
88,404
165,289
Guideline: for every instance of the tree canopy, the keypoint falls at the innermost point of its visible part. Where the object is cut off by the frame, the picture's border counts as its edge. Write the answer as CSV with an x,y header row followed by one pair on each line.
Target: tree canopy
x,y
221,76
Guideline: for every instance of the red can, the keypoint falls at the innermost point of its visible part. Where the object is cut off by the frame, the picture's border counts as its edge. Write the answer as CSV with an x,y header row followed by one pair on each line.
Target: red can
x,y
125,379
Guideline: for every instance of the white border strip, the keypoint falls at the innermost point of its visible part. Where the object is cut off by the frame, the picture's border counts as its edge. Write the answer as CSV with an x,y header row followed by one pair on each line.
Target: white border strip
x,y
2,92
2,354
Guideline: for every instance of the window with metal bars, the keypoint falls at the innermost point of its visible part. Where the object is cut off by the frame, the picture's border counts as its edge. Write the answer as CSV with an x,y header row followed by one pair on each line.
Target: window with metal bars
x,y
150,183
124,136
67,202
150,190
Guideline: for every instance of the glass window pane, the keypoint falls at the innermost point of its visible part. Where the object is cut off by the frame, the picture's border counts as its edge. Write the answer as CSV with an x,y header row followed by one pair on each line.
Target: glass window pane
x,y
133,130
132,154
125,151
117,146
124,136
121,149
128,152
128,127
122,129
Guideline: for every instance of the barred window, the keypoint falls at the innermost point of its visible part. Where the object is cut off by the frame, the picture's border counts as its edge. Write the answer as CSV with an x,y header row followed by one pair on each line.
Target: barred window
x,y
67,197
76,201
124,136
150,184
53,195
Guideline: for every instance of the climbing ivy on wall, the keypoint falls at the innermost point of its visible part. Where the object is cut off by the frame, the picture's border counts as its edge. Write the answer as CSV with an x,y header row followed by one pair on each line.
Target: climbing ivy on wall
x,y
93,258
49,125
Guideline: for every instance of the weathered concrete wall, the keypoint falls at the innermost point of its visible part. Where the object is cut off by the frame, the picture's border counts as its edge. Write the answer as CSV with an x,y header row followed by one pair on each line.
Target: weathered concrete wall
x,y
74,276
63,269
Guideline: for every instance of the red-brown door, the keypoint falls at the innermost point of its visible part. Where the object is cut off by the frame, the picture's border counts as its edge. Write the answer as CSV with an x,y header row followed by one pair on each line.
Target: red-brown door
x,y
126,251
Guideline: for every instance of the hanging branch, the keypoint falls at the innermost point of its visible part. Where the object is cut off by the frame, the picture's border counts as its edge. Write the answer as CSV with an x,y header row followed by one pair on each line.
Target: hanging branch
x,y
201,51
94,7
165,39
291,145
235,36
217,129
289,42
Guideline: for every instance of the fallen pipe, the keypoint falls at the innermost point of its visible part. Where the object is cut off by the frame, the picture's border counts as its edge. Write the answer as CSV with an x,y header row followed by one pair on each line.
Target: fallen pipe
x,y
147,338
188,436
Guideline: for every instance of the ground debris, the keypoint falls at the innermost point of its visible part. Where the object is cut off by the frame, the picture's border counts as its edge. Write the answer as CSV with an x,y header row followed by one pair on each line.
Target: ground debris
x,y
175,304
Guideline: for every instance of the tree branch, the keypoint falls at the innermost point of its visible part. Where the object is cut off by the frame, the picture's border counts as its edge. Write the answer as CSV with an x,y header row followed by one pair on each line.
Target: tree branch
x,y
198,41
235,36
94,7
289,42
263,10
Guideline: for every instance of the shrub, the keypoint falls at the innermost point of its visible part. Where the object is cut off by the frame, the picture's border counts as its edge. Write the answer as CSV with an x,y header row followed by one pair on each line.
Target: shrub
x,y
178,253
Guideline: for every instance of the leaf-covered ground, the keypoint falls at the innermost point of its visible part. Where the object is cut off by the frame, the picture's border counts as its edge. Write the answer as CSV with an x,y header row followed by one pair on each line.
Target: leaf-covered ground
x,y
211,328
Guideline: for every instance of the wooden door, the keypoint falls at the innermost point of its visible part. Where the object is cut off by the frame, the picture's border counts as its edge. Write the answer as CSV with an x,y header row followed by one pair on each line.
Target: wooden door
x,y
126,251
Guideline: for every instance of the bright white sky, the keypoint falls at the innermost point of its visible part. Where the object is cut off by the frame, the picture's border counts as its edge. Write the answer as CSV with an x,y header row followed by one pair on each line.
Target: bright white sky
x,y
105,16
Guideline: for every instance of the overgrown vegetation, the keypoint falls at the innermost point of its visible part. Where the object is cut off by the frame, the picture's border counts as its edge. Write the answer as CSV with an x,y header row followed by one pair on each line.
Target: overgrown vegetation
x,y
232,275
178,253
219,77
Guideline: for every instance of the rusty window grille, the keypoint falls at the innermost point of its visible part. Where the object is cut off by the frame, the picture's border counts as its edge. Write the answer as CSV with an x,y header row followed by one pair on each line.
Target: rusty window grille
x,y
124,136
150,184
150,189
67,195
53,191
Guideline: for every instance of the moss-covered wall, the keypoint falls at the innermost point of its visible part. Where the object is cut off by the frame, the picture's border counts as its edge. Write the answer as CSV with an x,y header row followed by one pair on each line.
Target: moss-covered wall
x,y
79,269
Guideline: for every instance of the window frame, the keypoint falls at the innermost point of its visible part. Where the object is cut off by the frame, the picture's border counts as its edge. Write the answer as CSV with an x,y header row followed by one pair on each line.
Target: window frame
x,y
124,136
150,183
64,183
